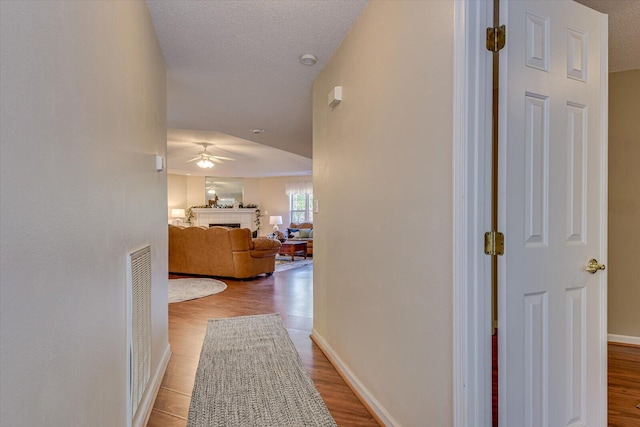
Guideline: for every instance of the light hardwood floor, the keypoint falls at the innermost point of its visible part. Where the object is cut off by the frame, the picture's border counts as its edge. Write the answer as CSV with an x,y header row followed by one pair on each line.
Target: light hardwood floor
x,y
289,293
624,386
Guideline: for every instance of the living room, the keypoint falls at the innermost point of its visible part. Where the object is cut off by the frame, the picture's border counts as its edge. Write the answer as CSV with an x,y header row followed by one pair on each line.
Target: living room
x,y
251,173
269,194
238,203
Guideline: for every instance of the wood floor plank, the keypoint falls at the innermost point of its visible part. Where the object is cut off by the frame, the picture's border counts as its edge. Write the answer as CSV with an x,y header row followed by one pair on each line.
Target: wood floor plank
x,y
173,402
289,293
624,385
180,374
162,419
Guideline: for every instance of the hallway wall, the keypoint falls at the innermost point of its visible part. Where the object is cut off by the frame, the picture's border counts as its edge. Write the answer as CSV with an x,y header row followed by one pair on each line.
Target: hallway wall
x,y
83,116
382,163
624,203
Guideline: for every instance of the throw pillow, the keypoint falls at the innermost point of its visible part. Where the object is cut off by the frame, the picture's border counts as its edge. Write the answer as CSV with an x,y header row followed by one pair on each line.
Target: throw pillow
x,y
304,232
290,231
311,234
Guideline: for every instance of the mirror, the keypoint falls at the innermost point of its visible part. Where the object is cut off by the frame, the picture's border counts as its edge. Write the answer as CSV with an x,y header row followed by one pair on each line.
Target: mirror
x,y
228,191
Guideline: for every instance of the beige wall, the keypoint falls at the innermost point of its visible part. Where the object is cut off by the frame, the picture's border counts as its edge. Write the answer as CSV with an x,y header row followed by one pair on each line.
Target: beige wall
x,y
84,88
624,203
274,200
177,193
251,191
195,191
382,164
185,191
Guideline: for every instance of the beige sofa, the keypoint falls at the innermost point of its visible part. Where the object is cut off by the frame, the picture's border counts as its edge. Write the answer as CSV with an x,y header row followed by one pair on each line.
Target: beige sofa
x,y
220,251
309,240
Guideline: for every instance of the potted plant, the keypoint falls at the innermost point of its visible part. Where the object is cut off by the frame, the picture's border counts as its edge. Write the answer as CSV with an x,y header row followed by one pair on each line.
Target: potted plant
x,y
190,214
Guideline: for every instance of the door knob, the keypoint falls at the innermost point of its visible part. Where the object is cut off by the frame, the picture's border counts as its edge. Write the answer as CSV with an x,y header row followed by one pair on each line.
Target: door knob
x,y
593,266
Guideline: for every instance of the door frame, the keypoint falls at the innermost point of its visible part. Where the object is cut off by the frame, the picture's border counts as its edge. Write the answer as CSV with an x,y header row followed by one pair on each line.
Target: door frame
x,y
472,91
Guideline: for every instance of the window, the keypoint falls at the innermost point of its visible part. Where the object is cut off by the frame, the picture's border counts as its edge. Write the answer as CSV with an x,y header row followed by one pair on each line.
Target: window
x,y
301,208
300,201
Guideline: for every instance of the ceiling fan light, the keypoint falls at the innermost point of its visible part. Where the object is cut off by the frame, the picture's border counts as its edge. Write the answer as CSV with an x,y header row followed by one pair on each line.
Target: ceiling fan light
x,y
205,164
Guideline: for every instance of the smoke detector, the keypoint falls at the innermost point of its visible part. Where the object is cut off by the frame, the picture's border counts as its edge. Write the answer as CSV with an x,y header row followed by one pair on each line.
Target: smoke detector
x,y
308,59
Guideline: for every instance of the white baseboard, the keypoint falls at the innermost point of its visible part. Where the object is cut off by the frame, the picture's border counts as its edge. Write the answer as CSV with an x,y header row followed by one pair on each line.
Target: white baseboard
x,y
382,416
148,399
623,339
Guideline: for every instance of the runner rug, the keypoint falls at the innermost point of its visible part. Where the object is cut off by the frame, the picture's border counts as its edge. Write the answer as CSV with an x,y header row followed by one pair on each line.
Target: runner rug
x,y
250,374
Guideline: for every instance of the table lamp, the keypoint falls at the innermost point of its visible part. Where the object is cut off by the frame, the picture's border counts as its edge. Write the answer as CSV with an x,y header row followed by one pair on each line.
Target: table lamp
x,y
177,214
275,220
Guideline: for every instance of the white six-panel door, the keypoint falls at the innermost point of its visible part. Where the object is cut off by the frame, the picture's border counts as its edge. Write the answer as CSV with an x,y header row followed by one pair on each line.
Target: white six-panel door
x,y
553,212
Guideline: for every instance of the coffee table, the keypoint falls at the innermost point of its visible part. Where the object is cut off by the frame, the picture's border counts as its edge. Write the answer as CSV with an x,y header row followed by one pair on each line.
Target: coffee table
x,y
292,247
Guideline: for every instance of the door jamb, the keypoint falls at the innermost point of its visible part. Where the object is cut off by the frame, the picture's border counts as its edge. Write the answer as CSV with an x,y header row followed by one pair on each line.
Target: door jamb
x,y
604,211
472,92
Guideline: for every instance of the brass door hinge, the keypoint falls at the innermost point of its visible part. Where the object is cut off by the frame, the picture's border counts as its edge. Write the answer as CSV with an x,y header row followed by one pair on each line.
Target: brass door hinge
x,y
496,38
493,243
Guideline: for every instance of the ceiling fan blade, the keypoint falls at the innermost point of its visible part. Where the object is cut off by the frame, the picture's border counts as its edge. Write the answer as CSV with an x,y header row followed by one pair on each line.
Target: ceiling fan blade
x,y
206,155
218,147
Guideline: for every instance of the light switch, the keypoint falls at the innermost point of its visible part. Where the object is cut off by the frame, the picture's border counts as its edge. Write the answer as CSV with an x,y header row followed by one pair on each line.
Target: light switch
x,y
316,206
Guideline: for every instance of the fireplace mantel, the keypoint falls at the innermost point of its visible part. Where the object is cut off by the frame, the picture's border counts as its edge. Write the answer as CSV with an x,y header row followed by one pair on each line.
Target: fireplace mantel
x,y
207,216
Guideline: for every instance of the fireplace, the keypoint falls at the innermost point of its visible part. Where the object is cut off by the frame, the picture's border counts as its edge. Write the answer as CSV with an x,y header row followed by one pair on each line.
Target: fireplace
x,y
235,218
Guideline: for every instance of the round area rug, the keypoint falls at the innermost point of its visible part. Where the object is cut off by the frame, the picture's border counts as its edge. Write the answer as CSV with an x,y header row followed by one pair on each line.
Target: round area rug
x,y
283,264
192,288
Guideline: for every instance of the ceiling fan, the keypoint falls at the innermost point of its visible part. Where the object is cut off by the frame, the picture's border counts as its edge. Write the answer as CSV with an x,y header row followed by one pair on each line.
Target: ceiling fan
x,y
207,160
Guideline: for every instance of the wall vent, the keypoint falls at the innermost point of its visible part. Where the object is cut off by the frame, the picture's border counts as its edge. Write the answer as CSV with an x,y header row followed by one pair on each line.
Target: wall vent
x,y
139,324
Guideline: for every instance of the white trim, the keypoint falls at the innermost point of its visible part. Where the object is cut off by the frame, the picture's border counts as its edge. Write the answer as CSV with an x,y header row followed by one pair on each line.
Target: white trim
x,y
502,221
460,241
354,382
471,216
624,339
148,399
604,213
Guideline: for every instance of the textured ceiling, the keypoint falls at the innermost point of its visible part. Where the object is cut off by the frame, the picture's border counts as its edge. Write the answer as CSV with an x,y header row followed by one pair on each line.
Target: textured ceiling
x,y
233,66
624,31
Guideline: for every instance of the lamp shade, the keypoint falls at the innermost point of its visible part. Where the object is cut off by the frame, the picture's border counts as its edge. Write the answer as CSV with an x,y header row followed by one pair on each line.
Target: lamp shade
x,y
177,213
275,220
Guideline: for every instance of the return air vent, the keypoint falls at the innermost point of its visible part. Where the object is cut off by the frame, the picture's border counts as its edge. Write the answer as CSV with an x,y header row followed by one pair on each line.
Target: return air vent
x,y
139,320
